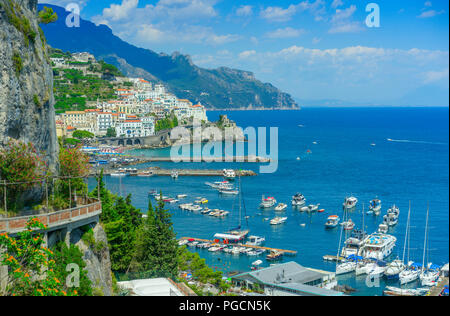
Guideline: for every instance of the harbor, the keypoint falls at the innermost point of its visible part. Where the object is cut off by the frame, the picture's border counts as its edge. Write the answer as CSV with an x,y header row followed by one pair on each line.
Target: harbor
x,y
304,230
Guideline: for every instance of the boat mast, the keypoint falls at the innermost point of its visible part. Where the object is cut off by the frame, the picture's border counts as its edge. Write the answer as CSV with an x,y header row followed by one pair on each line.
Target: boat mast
x,y
425,241
240,200
407,234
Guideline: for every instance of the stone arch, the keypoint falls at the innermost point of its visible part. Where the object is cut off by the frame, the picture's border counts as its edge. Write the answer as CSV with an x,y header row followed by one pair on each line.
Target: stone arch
x,y
121,142
129,142
137,141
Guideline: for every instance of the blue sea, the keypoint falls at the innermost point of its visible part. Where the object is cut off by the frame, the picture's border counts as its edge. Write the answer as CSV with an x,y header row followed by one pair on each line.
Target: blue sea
x,y
410,167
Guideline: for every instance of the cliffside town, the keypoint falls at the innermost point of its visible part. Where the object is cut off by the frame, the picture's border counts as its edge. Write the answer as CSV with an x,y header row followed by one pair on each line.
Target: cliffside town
x,y
127,107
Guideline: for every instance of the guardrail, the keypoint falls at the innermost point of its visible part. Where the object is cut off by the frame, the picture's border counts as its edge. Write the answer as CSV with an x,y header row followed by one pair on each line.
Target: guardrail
x,y
15,225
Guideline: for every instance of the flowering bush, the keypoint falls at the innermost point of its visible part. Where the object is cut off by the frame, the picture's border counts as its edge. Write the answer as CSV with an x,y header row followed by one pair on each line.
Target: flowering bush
x,y
31,266
22,167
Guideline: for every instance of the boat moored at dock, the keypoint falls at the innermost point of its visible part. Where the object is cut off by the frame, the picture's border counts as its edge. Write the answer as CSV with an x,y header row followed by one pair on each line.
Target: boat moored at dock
x,y
377,246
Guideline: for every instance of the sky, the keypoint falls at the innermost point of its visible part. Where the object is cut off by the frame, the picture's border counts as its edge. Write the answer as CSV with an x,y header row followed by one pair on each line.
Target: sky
x,y
312,49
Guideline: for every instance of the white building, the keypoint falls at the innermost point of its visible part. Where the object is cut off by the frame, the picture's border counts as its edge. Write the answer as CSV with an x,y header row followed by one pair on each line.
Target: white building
x,y
148,126
104,121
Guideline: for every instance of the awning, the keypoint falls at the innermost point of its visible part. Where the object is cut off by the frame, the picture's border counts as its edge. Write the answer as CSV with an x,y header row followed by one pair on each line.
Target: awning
x,y
227,236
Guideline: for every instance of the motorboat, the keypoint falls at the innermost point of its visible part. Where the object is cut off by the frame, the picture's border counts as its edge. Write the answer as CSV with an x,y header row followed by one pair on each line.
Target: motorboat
x,y
229,174
267,202
274,255
395,291
350,203
393,269
332,221
181,196
281,207
348,225
345,267
255,241
182,242
377,246
256,264
304,209
145,174
298,200
391,218
365,268
278,220
228,191
377,271
383,228
375,207
313,208
201,201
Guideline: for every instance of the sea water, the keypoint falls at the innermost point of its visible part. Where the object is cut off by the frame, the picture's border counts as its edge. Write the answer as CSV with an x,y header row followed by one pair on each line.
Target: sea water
x,y
398,155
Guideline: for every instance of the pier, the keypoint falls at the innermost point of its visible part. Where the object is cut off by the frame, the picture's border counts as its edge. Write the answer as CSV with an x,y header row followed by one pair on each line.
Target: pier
x,y
436,291
283,251
255,159
183,172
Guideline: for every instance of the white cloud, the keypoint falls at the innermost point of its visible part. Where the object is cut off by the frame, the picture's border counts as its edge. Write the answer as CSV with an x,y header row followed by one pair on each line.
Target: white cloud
x,y
278,14
341,21
286,33
436,76
118,12
244,10
336,3
64,3
247,53
430,14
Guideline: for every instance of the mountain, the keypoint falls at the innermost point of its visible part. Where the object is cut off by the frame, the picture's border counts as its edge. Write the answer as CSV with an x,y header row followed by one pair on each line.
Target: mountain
x,y
221,88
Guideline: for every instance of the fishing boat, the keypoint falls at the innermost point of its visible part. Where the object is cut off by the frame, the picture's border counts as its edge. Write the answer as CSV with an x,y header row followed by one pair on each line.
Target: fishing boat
x,y
256,264
313,208
181,196
118,174
267,202
201,201
375,207
205,211
274,255
145,174
430,273
183,242
298,200
255,241
174,174
229,174
391,218
377,246
350,203
281,207
278,220
332,221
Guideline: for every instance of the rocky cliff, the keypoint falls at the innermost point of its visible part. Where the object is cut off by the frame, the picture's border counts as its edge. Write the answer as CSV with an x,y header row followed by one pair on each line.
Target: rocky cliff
x,y
26,81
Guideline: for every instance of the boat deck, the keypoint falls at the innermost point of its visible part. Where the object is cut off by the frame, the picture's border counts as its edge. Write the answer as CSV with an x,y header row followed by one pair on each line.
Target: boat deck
x,y
333,258
283,251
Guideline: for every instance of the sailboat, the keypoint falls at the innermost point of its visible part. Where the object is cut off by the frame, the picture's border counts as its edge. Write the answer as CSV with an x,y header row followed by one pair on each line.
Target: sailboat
x,y
347,266
410,272
397,266
428,276
237,234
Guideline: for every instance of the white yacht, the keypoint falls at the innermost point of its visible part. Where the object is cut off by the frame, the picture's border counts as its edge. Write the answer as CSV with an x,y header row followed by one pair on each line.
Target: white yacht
x,y
429,274
313,207
391,218
350,203
365,268
298,200
174,174
383,228
409,274
255,241
332,221
228,191
393,269
348,225
353,243
377,246
267,202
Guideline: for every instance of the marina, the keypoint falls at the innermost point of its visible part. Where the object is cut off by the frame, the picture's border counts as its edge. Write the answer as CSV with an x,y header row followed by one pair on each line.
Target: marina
x,y
304,232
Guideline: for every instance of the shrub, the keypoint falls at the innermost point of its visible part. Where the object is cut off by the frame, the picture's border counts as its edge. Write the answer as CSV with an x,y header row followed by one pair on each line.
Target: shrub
x,y
17,63
47,16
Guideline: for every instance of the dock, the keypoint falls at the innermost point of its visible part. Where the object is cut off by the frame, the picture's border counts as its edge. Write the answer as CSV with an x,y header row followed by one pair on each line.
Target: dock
x,y
436,291
333,258
255,159
184,172
283,251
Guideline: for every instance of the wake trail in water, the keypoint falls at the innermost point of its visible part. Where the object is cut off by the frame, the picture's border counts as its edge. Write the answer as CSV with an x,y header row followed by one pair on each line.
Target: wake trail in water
x,y
414,141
